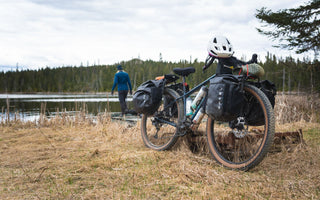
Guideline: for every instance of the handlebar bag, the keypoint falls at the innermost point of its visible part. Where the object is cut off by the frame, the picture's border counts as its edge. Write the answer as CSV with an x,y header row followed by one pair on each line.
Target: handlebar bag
x,y
225,99
147,98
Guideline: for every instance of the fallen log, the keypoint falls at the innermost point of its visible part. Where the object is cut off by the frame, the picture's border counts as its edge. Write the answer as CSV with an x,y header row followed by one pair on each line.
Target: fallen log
x,y
282,140
295,136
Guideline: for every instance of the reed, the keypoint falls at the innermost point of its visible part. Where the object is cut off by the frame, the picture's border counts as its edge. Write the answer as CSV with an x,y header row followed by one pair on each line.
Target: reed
x,y
79,117
2,114
108,103
288,109
43,113
295,108
8,111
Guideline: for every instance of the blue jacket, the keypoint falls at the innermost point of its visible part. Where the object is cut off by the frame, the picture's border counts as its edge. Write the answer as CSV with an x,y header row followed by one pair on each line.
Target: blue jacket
x,y
121,79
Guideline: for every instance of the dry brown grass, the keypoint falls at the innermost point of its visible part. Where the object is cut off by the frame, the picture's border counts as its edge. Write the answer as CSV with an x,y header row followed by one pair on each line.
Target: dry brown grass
x,y
77,159
294,108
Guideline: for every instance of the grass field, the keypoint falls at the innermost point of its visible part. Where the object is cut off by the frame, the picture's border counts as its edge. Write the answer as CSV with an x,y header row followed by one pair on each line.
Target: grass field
x,y
62,159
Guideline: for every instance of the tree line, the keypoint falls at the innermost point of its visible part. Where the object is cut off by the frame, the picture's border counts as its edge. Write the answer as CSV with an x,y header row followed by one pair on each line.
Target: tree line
x,y
288,75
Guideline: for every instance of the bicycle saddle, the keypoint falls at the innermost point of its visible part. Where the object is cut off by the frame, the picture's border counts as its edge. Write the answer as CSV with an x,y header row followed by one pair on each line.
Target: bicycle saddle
x,y
184,71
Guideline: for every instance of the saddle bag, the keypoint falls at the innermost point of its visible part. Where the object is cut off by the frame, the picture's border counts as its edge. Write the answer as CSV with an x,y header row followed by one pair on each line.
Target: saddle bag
x,y
147,98
225,99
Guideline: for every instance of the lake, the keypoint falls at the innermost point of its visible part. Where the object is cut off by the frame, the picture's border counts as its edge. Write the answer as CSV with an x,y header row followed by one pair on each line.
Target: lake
x,y
29,106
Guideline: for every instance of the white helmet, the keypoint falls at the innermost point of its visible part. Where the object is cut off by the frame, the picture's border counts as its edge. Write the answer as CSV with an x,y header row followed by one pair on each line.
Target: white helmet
x,y
220,47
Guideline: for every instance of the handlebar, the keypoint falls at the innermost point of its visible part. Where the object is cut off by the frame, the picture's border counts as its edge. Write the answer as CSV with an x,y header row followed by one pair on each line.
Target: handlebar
x,y
210,59
253,59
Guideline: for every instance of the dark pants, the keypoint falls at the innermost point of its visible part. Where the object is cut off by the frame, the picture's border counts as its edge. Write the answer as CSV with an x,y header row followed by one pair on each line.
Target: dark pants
x,y
122,98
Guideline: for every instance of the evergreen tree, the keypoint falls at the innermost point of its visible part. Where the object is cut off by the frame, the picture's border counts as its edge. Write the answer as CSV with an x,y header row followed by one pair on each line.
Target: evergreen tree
x,y
299,75
296,28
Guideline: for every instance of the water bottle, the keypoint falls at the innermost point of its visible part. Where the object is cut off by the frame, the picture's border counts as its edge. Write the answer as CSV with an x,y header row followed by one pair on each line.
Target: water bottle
x,y
202,93
197,119
188,106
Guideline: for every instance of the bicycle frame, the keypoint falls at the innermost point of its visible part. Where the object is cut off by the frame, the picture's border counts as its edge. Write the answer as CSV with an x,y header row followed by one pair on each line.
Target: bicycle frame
x,y
185,96
193,90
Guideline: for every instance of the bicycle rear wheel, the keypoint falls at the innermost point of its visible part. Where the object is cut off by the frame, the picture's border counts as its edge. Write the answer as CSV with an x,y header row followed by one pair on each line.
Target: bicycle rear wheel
x,y
242,146
159,131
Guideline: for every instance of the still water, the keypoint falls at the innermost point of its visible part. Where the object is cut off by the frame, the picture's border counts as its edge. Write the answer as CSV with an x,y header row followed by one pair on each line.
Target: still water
x,y
29,106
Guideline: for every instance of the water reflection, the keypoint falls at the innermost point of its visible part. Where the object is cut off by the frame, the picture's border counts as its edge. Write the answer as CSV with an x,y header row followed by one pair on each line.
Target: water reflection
x,y
29,106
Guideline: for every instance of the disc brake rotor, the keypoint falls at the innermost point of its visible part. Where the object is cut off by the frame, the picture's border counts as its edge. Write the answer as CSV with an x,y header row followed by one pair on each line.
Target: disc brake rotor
x,y
239,129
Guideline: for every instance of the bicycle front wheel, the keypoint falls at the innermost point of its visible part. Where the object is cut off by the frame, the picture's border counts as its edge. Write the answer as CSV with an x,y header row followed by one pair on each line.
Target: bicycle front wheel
x,y
159,131
240,145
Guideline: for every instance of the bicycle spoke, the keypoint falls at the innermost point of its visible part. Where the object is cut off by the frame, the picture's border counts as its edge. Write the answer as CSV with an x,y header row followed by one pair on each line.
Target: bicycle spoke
x,y
237,144
159,132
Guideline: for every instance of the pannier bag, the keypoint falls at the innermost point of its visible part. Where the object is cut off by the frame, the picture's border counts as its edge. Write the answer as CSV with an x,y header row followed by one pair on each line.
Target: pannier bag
x,y
147,98
225,99
254,113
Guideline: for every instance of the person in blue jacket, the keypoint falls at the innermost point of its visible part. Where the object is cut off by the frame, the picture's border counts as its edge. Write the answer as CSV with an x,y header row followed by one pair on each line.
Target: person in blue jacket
x,y
121,78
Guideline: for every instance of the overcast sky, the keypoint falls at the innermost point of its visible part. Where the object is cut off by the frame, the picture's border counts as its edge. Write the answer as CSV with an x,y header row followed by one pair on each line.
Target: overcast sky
x,y
40,33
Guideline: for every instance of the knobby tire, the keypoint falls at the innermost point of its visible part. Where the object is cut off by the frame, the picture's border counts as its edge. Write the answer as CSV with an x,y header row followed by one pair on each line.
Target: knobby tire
x,y
167,135
247,152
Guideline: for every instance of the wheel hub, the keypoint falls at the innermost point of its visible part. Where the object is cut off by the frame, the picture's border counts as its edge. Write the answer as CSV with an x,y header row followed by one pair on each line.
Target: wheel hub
x,y
238,127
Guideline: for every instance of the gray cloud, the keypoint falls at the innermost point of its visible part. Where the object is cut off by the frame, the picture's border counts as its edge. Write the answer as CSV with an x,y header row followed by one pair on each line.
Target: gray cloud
x,y
38,33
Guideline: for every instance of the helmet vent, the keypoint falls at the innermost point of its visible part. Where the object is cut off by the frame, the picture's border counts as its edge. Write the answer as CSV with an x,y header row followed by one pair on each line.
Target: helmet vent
x,y
224,48
215,40
213,52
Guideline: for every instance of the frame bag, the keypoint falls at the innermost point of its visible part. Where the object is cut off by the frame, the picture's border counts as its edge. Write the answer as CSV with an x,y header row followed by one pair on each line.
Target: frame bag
x,y
225,99
147,98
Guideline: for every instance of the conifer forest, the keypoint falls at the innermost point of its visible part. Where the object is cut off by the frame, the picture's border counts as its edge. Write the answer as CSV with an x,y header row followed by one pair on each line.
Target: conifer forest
x,y
289,75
